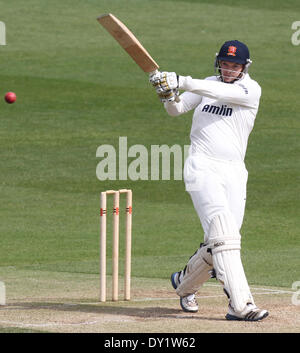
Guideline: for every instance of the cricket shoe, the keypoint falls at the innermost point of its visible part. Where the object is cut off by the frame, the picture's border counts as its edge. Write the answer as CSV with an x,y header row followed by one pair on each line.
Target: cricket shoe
x,y
253,313
188,303
175,279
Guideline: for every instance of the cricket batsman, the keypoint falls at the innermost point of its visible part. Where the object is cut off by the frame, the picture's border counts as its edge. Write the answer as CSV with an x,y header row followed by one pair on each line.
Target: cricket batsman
x,y
225,106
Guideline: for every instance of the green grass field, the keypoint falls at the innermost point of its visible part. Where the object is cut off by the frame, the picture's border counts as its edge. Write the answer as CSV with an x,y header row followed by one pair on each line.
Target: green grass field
x,y
77,90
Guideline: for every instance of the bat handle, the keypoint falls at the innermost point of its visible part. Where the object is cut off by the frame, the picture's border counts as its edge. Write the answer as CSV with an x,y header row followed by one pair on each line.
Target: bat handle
x,y
153,73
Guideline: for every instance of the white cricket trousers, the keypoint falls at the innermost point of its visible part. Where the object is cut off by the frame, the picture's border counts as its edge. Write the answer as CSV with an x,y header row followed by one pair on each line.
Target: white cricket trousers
x,y
216,186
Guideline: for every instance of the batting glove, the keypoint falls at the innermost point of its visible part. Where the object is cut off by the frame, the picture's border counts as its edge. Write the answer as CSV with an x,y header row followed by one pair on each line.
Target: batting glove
x,y
169,96
164,81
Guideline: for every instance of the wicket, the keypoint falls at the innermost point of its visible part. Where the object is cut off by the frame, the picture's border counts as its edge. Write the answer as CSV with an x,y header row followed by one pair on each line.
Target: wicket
x,y
115,246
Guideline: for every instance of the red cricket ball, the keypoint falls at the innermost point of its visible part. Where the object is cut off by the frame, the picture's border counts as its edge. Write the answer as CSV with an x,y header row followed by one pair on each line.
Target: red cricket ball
x,y
10,97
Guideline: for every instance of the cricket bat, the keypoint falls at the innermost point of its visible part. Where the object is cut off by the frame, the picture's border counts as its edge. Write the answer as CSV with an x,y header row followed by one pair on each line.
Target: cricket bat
x,y
129,42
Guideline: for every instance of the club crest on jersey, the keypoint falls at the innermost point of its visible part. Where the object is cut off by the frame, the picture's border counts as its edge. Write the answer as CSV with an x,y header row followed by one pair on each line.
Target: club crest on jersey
x,y
231,50
213,109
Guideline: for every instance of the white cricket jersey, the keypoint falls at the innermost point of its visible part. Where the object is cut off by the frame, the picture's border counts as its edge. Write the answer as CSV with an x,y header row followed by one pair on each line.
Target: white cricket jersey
x,y
224,114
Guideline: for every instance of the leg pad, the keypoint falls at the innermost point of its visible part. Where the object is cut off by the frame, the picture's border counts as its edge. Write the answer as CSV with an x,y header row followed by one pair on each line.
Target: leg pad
x,y
197,271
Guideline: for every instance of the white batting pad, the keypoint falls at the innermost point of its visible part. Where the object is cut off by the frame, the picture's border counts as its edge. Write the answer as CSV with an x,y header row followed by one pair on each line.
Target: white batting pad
x,y
197,272
224,240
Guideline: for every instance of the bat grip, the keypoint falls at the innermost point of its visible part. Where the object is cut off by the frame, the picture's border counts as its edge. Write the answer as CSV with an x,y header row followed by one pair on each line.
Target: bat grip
x,y
153,72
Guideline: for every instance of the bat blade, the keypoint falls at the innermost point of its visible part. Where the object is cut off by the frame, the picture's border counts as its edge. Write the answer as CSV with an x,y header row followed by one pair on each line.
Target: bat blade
x,y
128,41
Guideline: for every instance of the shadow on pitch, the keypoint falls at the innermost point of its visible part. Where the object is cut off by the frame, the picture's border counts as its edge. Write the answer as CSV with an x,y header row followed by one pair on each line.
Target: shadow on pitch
x,y
116,309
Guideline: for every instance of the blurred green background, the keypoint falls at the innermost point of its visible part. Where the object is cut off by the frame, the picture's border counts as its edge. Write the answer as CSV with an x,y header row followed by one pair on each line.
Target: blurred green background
x,y
77,90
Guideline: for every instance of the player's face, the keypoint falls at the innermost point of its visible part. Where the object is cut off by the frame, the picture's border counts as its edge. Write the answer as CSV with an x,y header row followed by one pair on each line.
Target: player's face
x,y
230,71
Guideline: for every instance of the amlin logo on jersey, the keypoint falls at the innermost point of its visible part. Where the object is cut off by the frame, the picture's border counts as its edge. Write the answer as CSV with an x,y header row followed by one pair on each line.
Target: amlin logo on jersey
x,y
213,109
